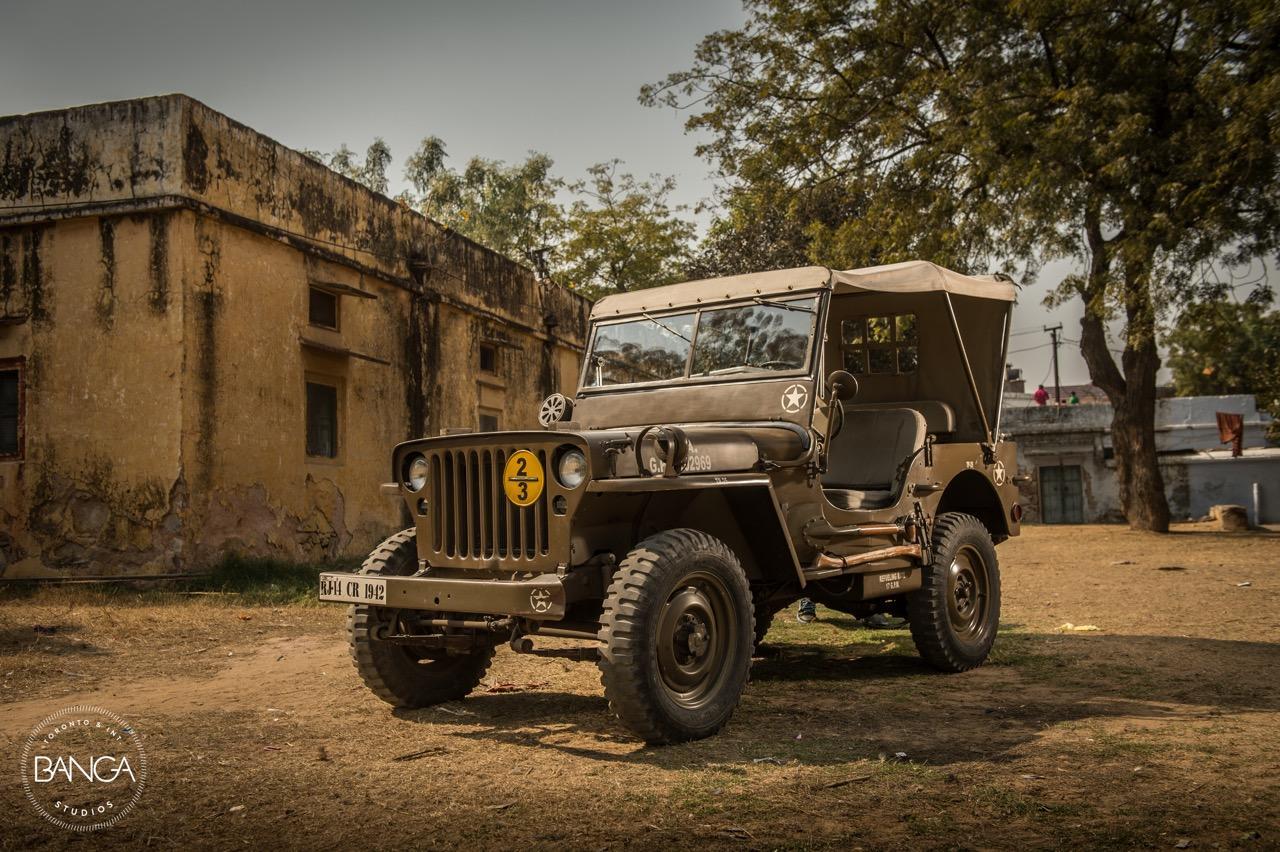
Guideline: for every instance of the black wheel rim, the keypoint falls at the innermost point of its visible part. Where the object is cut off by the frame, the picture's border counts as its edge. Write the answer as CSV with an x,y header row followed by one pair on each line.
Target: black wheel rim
x,y
968,594
696,630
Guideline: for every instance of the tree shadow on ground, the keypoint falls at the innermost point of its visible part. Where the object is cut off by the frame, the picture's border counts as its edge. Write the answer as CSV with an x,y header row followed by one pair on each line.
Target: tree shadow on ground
x,y
830,704
51,640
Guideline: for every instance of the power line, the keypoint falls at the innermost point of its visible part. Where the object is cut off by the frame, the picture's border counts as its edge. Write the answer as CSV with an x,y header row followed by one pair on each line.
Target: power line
x,y
1045,377
1077,343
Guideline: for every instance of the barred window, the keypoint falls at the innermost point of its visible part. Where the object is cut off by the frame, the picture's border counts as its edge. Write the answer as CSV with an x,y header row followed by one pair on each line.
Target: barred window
x,y
10,414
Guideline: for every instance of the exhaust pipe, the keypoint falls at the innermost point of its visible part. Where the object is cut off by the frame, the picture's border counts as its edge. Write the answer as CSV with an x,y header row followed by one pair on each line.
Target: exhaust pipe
x,y
828,565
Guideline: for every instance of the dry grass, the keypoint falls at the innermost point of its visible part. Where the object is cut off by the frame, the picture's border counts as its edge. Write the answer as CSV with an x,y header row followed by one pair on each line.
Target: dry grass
x,y
1160,726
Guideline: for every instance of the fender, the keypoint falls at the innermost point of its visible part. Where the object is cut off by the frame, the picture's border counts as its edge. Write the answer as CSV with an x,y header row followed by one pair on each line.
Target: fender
x,y
735,487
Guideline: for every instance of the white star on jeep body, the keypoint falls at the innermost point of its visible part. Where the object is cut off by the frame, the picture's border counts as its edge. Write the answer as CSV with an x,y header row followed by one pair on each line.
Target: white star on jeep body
x,y
793,398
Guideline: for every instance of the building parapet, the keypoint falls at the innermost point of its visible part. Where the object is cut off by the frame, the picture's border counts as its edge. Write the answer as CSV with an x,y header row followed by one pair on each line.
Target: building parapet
x,y
173,151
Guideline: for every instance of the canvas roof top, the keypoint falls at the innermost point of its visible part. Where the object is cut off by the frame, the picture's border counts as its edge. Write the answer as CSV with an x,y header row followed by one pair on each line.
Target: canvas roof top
x,y
913,276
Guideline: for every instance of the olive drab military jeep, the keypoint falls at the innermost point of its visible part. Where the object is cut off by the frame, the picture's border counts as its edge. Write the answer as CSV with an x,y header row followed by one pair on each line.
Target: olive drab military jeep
x,y
734,444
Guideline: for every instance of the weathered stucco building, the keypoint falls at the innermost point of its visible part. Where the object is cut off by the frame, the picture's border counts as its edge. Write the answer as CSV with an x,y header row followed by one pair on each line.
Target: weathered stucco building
x,y
209,342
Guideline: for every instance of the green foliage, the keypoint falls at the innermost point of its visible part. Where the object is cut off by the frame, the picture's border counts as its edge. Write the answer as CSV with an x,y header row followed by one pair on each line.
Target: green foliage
x,y
1224,347
1138,138
376,160
234,581
981,134
622,233
512,209
769,226
372,172
257,580
616,232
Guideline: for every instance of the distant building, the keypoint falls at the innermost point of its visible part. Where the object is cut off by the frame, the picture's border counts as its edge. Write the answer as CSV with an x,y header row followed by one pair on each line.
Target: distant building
x,y
1067,450
1017,397
210,342
1014,381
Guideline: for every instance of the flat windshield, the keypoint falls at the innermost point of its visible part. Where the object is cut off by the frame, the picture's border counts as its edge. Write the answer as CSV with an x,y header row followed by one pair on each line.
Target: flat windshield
x,y
649,349
765,335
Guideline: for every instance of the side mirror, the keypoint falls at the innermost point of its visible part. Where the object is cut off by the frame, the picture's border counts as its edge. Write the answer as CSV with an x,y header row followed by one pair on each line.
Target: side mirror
x,y
842,385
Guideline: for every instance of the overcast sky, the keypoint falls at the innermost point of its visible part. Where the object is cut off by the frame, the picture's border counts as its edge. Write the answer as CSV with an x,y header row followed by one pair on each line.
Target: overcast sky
x,y
497,79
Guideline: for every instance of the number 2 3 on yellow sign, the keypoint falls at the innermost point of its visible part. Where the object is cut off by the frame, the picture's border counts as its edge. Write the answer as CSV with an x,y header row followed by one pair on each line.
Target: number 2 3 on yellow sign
x,y
522,478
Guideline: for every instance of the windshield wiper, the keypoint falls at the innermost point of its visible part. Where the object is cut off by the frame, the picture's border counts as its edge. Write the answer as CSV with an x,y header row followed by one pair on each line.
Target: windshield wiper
x,y
786,306
597,358
667,327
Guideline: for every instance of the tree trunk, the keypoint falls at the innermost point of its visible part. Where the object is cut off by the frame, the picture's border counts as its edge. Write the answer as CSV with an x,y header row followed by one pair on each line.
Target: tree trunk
x,y
1133,421
1132,393
1137,469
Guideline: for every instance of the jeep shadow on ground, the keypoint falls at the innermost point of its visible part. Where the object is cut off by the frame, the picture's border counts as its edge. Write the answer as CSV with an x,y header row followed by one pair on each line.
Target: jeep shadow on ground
x,y
819,705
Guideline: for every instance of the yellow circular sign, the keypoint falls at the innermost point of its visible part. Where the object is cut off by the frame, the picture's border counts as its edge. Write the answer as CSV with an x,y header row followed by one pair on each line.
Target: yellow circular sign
x,y
522,478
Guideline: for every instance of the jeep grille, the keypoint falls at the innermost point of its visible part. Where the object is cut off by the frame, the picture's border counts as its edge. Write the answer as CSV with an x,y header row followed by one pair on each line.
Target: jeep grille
x,y
471,518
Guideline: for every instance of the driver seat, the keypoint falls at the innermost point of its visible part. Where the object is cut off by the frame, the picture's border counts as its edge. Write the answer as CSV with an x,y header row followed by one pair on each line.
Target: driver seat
x,y
864,460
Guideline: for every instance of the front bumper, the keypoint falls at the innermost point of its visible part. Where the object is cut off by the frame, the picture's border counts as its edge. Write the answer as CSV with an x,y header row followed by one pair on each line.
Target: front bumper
x,y
544,597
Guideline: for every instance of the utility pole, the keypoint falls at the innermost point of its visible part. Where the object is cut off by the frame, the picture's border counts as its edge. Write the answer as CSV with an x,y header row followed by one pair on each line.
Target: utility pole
x,y
1057,385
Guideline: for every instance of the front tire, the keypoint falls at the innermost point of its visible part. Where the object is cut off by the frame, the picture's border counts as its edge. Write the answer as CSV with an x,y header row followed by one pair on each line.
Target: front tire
x,y
955,614
402,675
676,630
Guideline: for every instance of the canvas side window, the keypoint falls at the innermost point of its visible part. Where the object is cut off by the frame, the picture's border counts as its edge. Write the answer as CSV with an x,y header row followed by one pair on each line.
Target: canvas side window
x,y
906,341
884,345
488,421
10,414
322,420
853,338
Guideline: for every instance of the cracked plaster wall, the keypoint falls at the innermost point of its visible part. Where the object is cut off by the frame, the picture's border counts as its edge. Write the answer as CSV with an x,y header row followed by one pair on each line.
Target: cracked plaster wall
x,y
155,258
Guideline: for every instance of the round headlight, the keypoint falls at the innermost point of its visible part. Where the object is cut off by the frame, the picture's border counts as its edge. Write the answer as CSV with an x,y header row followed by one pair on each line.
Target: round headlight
x,y
415,476
572,470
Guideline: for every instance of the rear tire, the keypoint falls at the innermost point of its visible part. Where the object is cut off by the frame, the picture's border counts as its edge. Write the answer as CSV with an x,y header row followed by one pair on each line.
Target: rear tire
x,y
764,613
399,674
955,614
676,630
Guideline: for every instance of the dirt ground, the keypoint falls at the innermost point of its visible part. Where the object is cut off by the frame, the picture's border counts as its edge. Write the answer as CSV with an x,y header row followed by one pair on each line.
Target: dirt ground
x,y
1158,729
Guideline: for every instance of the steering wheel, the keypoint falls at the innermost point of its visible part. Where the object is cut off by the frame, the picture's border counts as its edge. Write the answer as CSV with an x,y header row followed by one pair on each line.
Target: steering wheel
x,y
776,365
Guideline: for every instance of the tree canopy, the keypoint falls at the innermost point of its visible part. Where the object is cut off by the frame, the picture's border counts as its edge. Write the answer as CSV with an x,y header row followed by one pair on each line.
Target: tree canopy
x,y
372,172
1139,138
606,233
1227,347
512,209
768,225
622,233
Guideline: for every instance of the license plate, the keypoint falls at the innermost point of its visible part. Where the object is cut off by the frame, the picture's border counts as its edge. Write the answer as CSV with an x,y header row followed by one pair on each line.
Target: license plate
x,y
350,588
